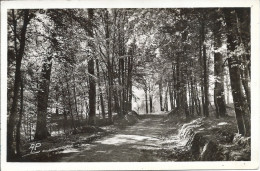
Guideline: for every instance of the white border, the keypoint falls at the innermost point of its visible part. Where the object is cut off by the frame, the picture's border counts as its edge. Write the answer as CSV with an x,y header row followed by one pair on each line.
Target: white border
x,y
255,84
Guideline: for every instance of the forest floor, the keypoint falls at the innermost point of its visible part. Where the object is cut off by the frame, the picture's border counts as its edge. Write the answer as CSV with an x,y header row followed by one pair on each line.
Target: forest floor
x,y
152,138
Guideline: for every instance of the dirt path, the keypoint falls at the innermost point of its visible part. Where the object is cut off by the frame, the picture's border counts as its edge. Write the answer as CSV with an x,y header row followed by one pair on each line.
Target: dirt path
x,y
139,142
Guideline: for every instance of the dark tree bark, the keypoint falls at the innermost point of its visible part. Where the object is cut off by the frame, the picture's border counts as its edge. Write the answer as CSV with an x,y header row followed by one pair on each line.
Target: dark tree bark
x,y
166,99
205,69
75,97
184,72
70,107
100,92
174,85
109,67
91,71
243,29
197,99
171,95
243,25
192,92
146,99
160,93
43,94
42,98
130,82
241,108
201,78
18,132
18,59
151,103
177,87
184,84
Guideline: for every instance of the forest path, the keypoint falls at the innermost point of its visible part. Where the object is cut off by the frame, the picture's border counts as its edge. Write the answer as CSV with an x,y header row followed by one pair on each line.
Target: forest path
x,y
139,142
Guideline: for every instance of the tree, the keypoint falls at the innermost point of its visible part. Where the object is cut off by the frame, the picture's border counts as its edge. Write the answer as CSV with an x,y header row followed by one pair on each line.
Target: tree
x,y
205,69
43,93
91,71
241,108
19,56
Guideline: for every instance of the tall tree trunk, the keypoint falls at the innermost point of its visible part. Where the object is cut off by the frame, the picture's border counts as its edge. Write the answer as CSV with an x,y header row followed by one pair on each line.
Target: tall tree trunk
x,y
160,93
146,100
201,79
193,97
171,95
184,74
43,94
129,82
190,98
151,102
174,84
12,116
70,108
109,96
205,77
177,87
243,29
227,89
75,97
91,71
243,25
197,99
166,99
100,92
42,98
241,108
18,132
109,67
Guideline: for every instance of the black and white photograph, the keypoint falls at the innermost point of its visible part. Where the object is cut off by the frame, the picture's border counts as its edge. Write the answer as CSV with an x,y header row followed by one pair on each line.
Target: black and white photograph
x,y
129,85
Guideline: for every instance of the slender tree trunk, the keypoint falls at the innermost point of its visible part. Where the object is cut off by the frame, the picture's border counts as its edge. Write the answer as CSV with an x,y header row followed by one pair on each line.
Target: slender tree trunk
x,y
109,95
151,103
177,89
65,120
100,92
166,99
201,80
160,93
184,76
70,108
228,90
13,113
186,107
18,132
174,85
91,71
109,67
193,97
197,99
75,98
130,68
171,95
205,79
146,100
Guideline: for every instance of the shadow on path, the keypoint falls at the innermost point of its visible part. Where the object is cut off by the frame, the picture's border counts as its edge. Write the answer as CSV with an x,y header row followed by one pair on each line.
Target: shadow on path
x,y
138,143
